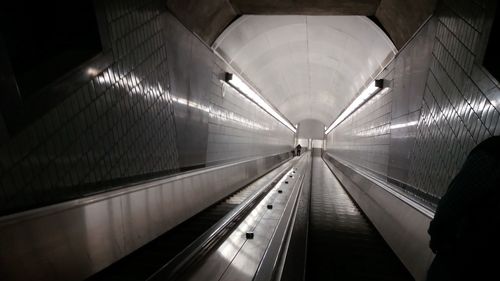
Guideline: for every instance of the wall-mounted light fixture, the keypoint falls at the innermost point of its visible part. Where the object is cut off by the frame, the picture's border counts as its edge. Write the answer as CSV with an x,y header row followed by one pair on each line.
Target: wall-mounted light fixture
x,y
367,93
240,86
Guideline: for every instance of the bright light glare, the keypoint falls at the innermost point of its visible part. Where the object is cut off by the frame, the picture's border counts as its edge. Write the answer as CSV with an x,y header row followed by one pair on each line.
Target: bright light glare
x,y
237,83
404,125
365,95
92,71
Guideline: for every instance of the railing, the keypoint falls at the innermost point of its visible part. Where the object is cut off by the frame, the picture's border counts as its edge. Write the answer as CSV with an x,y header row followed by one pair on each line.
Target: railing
x,y
273,263
274,260
203,244
75,239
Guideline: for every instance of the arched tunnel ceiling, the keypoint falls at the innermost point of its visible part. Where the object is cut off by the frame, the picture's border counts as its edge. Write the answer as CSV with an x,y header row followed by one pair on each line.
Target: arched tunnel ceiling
x,y
209,18
308,67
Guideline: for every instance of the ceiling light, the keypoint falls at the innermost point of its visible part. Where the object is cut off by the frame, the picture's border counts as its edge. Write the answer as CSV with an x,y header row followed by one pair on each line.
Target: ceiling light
x,y
367,93
247,91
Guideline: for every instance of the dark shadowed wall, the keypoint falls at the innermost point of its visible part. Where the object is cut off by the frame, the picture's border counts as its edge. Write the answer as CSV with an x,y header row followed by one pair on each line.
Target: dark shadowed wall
x,y
156,108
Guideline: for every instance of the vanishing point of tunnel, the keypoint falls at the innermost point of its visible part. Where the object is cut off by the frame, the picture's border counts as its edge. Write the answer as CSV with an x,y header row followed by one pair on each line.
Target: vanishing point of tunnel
x,y
249,140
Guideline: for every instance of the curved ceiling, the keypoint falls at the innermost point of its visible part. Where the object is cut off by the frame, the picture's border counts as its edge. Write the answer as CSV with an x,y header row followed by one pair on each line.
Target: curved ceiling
x,y
308,67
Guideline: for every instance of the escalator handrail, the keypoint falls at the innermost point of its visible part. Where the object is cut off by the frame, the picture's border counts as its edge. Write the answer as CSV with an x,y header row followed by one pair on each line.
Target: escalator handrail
x,y
177,266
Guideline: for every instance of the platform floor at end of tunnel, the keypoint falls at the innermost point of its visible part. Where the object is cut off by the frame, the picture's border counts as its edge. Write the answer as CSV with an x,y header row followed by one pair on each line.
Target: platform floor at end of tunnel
x,y
343,245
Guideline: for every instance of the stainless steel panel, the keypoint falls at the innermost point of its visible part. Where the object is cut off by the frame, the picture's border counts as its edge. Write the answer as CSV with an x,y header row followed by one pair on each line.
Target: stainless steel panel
x,y
272,262
244,198
145,115
214,123
403,134
458,110
72,240
441,103
216,265
363,138
411,68
65,244
294,260
238,258
402,223
184,68
408,82
115,125
244,265
239,128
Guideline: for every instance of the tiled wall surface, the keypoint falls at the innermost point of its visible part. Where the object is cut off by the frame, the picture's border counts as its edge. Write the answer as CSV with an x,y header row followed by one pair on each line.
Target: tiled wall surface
x,y
238,128
124,125
118,125
460,106
218,124
442,103
364,138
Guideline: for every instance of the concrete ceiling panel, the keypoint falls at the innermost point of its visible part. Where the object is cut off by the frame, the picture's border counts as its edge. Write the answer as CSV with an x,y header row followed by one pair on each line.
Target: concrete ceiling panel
x,y
208,19
401,19
205,18
304,7
308,67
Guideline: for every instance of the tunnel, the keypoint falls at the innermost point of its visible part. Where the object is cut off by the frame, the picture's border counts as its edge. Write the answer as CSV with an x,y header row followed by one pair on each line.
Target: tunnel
x,y
237,139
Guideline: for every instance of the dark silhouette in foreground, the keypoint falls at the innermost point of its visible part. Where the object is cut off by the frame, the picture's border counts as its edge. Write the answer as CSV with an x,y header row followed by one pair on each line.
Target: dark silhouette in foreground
x,y
465,231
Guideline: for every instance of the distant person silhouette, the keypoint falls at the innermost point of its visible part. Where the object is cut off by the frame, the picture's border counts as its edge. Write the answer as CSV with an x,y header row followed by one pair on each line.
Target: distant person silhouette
x,y
465,231
298,148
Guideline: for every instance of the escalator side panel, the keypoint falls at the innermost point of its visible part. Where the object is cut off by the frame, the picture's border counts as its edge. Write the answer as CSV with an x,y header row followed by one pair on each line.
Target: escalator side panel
x,y
343,244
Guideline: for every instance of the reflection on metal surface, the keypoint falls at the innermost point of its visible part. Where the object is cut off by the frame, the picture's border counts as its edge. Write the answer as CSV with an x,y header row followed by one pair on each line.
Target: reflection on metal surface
x,y
239,258
203,245
152,91
224,115
237,254
495,101
365,95
92,71
246,90
234,127
391,189
372,131
72,240
398,218
135,86
380,136
338,229
404,125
